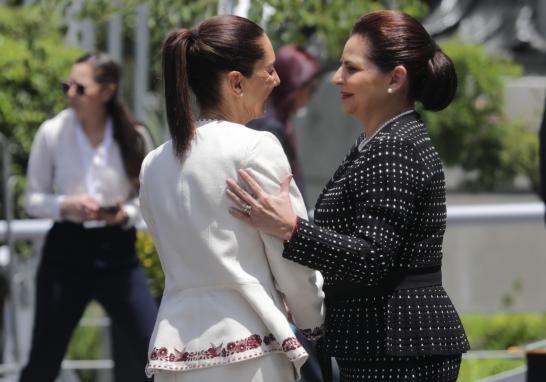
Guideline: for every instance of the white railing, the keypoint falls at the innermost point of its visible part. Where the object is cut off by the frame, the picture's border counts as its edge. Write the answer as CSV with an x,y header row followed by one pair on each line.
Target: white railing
x,y
480,213
28,229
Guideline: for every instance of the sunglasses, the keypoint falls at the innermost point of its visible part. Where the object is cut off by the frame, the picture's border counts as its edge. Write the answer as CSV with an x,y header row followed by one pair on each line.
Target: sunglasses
x,y
65,86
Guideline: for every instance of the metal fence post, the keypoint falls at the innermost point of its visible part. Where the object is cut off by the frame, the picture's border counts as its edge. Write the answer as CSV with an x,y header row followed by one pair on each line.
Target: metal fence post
x,y
10,267
141,62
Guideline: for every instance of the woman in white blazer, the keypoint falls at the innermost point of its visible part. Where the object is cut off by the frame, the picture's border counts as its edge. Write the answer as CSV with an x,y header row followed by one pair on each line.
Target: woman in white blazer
x,y
229,295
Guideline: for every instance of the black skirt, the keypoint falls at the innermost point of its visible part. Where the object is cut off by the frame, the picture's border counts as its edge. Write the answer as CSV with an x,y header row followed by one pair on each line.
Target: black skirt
x,y
435,368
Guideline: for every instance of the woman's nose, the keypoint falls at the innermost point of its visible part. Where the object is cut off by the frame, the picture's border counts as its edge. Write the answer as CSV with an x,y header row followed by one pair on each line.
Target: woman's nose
x,y
276,79
336,78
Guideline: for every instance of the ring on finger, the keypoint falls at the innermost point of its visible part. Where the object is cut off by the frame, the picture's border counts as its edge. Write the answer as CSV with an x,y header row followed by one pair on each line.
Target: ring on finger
x,y
247,209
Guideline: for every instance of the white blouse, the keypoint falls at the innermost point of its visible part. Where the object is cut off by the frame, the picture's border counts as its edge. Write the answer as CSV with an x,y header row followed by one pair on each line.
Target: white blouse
x,y
227,286
62,162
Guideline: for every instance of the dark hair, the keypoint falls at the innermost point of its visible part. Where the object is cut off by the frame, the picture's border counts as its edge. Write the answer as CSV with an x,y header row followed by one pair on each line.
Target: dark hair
x,y
296,68
398,39
196,59
130,141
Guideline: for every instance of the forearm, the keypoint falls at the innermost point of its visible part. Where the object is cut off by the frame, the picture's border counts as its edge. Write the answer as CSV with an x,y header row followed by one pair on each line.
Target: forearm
x,y
42,205
337,255
542,136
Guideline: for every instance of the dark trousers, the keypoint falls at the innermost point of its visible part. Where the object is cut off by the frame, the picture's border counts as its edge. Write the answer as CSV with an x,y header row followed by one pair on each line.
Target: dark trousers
x,y
63,292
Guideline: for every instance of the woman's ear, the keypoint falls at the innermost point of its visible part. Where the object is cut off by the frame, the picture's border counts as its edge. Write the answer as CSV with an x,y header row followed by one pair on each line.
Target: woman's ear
x,y
399,77
108,91
235,82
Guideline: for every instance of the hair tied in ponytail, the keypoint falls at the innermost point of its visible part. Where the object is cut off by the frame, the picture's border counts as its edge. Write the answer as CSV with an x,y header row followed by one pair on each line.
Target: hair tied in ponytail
x,y
193,36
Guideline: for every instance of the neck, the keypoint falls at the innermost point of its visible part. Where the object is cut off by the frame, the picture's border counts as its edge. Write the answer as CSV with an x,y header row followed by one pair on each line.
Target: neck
x,y
374,122
223,115
94,125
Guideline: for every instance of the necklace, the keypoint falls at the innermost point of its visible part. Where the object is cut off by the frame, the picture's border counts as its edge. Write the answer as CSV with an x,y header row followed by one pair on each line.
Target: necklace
x,y
206,120
367,139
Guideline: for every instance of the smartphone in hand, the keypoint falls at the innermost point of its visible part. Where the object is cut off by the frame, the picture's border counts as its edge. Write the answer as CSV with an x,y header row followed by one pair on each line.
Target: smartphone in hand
x,y
113,209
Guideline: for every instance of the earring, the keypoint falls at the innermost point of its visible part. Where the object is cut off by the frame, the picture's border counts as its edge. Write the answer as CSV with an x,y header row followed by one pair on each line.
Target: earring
x,y
389,90
241,94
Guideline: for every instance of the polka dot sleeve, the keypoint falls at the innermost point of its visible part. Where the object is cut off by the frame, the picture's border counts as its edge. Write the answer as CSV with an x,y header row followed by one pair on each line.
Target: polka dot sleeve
x,y
367,206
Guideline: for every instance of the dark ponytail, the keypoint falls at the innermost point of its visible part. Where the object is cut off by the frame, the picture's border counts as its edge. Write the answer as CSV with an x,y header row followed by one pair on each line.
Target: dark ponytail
x,y
131,143
396,38
196,60
177,89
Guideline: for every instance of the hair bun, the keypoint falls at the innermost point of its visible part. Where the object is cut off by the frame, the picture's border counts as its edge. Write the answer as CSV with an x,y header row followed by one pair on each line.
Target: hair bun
x,y
440,83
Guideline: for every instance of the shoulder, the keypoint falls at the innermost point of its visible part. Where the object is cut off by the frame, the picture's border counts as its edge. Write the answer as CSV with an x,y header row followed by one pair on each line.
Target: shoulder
x,y
266,144
240,137
158,154
52,129
158,160
269,124
405,139
60,122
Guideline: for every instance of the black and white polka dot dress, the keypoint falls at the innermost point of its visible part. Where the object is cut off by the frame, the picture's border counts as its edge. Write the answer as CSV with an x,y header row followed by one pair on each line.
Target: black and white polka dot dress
x,y
377,239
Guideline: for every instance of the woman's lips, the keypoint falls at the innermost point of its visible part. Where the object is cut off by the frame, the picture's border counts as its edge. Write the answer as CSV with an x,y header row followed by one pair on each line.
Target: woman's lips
x,y
345,96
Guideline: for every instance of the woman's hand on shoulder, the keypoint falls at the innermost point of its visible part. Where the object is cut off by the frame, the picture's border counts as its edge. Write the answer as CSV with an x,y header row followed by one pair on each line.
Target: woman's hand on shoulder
x,y
272,214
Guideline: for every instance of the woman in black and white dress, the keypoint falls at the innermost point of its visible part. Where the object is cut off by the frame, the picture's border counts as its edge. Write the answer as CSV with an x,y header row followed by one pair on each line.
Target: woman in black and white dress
x,y
380,220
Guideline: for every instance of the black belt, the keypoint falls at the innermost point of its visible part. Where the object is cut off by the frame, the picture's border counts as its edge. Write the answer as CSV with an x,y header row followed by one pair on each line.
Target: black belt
x,y
396,280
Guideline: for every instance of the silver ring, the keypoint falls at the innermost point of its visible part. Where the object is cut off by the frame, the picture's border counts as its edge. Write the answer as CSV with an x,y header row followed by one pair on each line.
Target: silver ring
x,y
247,209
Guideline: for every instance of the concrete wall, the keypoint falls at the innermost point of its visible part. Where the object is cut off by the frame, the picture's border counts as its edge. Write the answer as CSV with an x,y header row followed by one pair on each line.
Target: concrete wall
x,y
486,263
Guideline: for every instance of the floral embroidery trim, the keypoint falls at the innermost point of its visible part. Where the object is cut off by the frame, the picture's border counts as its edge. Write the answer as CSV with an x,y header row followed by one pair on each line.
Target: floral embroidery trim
x,y
231,348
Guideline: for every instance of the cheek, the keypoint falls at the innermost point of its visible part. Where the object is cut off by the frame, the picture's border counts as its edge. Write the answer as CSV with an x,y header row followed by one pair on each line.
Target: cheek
x,y
95,100
264,95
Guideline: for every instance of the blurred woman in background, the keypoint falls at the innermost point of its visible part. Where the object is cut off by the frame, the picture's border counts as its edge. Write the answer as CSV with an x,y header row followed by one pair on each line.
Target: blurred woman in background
x,y
299,72
83,173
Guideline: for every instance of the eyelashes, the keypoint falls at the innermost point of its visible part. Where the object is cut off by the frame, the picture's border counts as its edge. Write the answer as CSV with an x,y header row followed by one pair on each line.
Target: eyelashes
x,y
270,77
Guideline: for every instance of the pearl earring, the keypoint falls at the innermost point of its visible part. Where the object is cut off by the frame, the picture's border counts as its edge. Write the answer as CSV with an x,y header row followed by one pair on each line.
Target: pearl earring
x,y
389,90
241,94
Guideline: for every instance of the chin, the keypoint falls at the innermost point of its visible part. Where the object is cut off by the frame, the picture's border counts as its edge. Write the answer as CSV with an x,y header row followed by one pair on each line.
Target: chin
x,y
347,110
260,114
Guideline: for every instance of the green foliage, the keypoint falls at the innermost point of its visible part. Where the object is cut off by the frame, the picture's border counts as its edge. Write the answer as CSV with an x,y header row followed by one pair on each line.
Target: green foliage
x,y
473,132
498,332
331,19
150,261
164,16
475,369
32,63
502,331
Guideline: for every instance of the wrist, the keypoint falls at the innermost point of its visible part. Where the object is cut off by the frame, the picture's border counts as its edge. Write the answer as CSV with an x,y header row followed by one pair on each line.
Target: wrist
x,y
292,229
64,207
124,218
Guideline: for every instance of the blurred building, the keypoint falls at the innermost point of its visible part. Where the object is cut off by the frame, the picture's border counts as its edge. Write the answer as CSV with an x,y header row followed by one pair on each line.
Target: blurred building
x,y
514,28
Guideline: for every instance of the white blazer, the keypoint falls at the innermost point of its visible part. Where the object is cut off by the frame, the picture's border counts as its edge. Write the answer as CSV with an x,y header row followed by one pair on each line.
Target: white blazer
x,y
227,286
